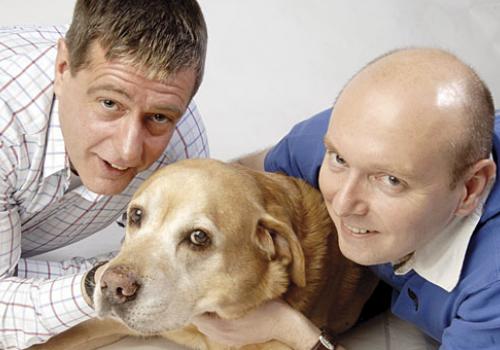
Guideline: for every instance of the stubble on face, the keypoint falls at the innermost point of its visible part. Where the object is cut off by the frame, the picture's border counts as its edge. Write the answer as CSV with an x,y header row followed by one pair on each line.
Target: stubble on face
x,y
114,132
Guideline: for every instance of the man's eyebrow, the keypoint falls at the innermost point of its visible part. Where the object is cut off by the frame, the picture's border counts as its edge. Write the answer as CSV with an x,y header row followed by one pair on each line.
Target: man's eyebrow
x,y
329,145
400,173
107,87
171,109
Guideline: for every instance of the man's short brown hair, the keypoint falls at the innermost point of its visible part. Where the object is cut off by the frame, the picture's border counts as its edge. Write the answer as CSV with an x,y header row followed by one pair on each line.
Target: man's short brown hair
x,y
161,36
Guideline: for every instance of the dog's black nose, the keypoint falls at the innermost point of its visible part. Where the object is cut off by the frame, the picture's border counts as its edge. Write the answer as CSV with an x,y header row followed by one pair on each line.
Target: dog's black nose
x,y
119,284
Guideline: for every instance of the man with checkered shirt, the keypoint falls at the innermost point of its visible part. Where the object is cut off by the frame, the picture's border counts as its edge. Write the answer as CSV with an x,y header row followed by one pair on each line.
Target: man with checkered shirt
x,y
85,116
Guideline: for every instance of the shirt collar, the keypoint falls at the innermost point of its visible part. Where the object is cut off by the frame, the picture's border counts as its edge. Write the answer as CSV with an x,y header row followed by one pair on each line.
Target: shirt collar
x,y
55,154
56,158
440,261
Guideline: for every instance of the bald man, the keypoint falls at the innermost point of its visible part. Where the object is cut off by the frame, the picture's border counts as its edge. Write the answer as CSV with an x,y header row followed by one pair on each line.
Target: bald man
x,y
406,164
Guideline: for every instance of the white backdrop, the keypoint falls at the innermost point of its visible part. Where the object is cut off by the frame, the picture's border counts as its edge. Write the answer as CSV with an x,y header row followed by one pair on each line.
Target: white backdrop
x,y
271,63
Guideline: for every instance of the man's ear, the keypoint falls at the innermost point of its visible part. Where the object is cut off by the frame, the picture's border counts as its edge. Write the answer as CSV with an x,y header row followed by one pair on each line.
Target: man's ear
x,y
62,66
476,182
279,242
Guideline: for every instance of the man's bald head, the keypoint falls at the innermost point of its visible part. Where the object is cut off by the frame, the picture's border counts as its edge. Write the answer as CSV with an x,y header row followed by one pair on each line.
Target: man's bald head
x,y
440,92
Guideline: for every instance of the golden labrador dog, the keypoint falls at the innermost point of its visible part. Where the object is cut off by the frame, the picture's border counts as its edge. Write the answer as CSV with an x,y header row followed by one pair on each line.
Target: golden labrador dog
x,y
208,237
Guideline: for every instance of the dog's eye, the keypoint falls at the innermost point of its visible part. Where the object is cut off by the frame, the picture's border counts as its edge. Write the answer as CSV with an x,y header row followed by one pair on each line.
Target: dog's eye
x,y
199,238
135,216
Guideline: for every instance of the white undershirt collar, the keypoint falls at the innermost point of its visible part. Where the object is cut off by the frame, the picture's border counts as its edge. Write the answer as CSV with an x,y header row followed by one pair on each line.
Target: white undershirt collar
x,y
441,259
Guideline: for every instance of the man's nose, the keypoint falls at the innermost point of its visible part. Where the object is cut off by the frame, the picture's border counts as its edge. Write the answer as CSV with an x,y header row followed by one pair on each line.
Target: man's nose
x,y
349,199
129,140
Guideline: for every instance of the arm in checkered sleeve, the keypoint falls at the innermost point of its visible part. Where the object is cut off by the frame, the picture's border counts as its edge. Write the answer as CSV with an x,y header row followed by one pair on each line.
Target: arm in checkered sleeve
x,y
33,306
31,309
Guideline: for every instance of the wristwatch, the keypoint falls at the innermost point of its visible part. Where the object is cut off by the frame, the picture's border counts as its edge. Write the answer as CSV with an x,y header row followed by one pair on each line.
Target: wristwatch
x,y
89,281
326,340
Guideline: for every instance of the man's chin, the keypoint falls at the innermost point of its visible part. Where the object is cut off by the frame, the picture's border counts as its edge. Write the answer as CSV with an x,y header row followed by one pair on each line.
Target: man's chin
x,y
106,190
358,257
365,260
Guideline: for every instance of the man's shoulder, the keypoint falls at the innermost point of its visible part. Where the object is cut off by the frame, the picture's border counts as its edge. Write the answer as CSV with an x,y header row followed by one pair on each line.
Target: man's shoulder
x,y
487,236
481,268
27,56
492,205
315,125
24,113
301,151
17,41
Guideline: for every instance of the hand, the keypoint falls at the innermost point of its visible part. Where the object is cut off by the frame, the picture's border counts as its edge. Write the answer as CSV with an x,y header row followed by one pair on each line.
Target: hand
x,y
273,320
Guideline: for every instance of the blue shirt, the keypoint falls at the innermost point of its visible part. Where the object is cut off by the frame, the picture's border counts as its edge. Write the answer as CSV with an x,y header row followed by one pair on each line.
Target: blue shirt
x,y
468,317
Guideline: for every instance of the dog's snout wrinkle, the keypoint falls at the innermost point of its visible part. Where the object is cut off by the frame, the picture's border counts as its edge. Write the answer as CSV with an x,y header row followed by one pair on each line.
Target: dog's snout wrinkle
x,y
119,285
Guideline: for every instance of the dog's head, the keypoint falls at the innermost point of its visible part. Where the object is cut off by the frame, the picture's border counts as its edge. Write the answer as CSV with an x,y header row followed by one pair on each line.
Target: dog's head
x,y
202,236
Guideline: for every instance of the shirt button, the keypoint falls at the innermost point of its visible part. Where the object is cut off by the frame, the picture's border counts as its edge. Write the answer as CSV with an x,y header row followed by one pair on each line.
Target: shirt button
x,y
413,297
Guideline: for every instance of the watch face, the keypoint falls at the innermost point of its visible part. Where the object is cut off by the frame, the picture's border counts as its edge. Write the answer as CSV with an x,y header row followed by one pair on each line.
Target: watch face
x,y
326,343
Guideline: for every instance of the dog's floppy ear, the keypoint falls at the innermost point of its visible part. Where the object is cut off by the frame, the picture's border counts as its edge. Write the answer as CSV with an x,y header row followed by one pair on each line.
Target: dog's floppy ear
x,y
279,242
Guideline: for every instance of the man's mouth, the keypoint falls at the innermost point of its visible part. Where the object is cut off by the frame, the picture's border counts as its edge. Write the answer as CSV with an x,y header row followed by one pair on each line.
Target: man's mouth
x,y
358,230
116,166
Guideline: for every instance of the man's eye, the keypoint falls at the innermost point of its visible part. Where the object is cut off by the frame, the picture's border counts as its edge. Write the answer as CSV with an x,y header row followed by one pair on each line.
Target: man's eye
x,y
335,159
392,181
108,104
339,159
160,118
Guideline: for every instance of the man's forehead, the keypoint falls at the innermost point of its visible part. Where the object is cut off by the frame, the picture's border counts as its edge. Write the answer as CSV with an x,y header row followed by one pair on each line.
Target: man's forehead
x,y
375,151
98,55
407,107
371,159
429,110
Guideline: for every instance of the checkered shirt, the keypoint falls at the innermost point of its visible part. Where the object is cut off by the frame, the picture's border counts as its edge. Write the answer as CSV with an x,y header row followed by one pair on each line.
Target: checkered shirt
x,y
38,213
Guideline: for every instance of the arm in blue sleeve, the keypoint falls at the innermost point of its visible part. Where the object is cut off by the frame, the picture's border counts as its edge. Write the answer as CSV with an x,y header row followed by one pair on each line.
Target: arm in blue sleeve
x,y
477,323
301,152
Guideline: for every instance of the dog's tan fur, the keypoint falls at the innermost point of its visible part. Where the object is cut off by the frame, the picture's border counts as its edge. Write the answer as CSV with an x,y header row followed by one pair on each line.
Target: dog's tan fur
x,y
271,236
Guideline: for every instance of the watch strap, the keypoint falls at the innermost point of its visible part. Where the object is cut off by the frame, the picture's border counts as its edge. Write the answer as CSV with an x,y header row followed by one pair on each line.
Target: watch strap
x,y
89,281
326,341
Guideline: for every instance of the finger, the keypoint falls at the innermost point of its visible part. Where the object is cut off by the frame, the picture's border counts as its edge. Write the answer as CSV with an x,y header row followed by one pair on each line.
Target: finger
x,y
212,325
